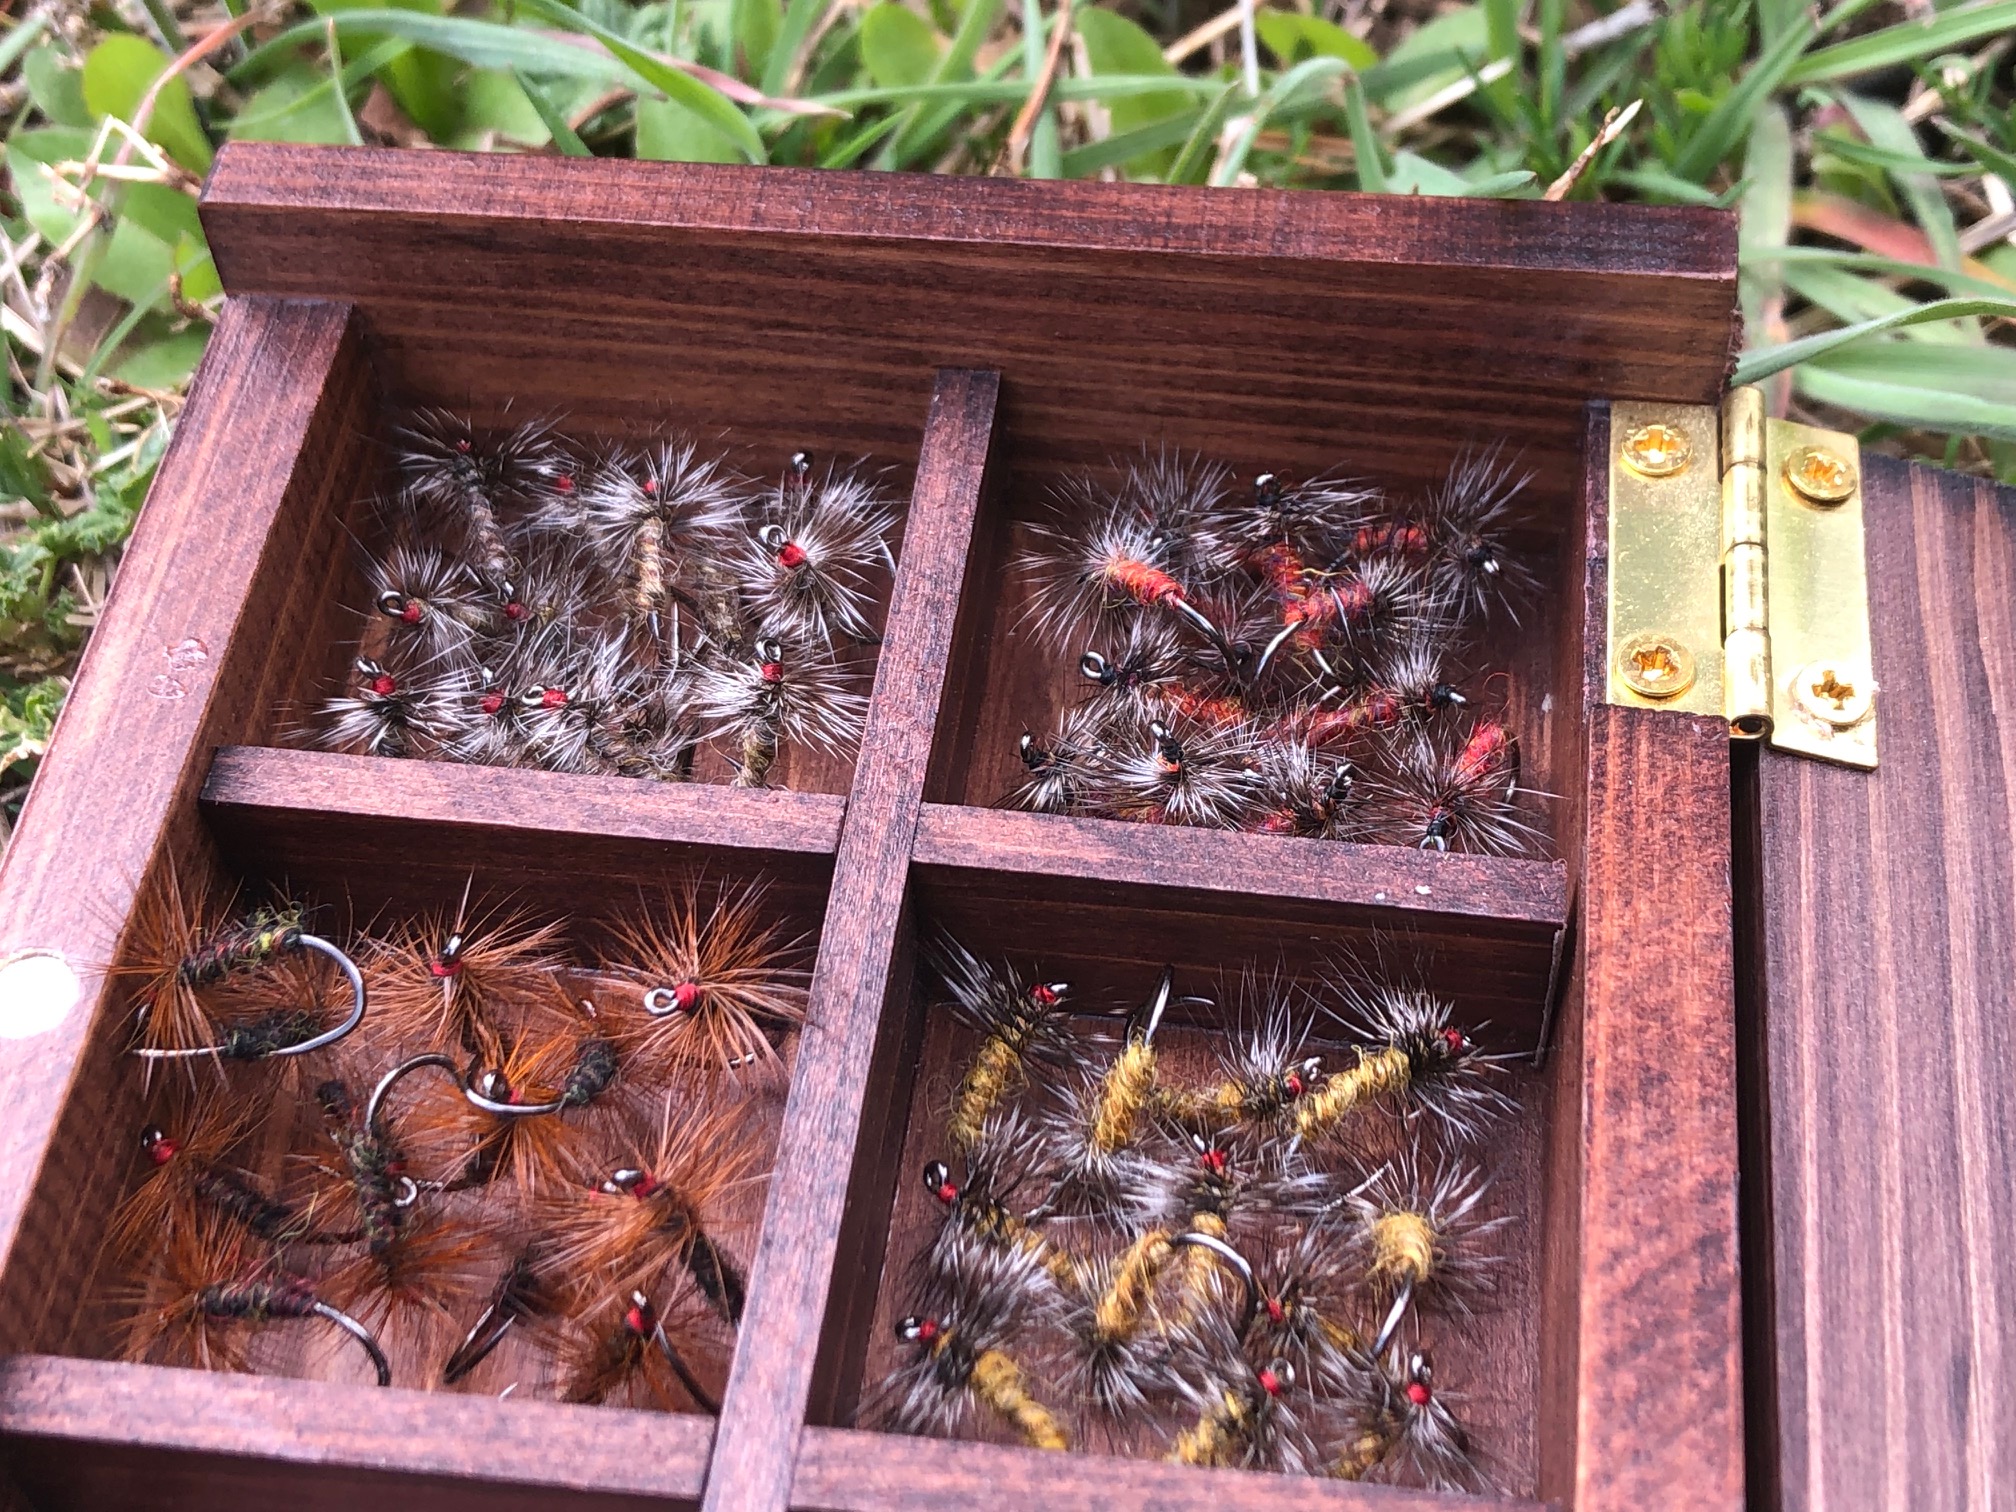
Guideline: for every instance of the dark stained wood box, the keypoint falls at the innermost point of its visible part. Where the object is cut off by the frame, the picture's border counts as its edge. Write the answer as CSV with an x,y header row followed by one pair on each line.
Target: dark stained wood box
x,y
978,338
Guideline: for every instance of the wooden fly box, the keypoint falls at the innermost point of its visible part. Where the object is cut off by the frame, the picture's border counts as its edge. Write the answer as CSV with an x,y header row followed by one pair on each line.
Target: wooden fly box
x,y
977,340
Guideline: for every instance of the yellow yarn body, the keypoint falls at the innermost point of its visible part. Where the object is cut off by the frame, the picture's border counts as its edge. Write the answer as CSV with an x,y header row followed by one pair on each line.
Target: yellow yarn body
x,y
1123,1094
1126,1298
1361,1456
994,1073
1383,1073
1214,1437
759,754
1200,1266
1403,1248
649,560
997,1381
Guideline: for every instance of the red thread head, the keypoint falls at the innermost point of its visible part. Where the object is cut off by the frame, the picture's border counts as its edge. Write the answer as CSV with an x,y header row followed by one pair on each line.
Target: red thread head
x,y
462,445
1270,1383
644,1185
564,483
444,969
927,1330
685,995
412,612
384,685
1214,1160
1419,1394
1044,994
552,698
1294,1083
651,488
516,612
772,672
160,1146
491,703
1276,1313
1455,1041
791,554
640,1319
948,1193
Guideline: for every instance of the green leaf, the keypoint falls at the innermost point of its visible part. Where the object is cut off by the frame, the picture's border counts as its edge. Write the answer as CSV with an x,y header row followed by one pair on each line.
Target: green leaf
x,y
562,134
898,46
1193,163
22,473
1717,135
1414,174
495,109
668,132
1432,56
425,84
755,25
1292,37
117,74
199,273
28,154
56,88
1887,130
1116,45
1764,361
923,126
1903,43
27,717
295,107
710,105
1046,147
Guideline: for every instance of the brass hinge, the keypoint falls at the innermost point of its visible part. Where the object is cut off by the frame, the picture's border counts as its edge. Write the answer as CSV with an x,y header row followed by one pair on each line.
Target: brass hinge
x,y
1739,589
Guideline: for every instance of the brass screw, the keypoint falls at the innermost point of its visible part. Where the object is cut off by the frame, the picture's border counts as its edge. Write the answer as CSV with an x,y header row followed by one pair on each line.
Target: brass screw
x,y
1656,451
1819,475
1655,666
1839,694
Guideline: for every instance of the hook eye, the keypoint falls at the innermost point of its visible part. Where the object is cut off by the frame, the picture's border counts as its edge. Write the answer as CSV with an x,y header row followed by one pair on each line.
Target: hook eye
x,y
1095,668
663,1002
409,1193
392,602
772,536
770,649
801,463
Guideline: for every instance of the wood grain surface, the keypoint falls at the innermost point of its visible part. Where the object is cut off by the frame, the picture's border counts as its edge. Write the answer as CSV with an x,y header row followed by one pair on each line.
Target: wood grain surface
x,y
83,1433
367,827
844,1471
1884,1261
1115,900
828,1170
171,669
1277,328
1659,1373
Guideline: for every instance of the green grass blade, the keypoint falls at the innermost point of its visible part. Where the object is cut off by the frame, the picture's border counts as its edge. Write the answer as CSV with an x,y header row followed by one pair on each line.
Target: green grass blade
x,y
1764,361
1046,155
1764,214
1718,135
564,136
799,19
856,146
1193,163
1920,408
1876,262
1905,43
1083,162
1891,134
1283,90
713,107
1364,141
483,44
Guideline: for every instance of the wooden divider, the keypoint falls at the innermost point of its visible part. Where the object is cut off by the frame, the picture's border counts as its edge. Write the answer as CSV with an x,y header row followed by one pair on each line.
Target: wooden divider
x,y
853,1027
